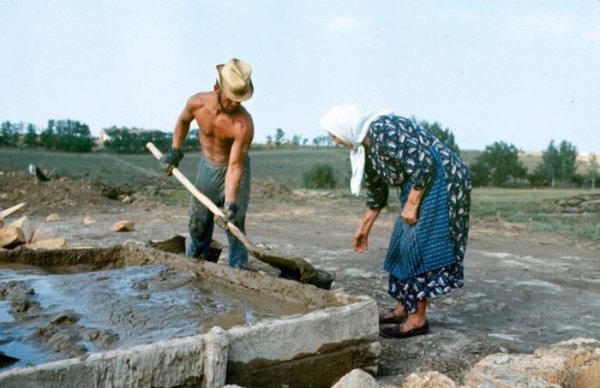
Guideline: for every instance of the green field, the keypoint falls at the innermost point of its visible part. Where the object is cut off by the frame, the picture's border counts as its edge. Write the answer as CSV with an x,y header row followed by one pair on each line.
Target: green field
x,y
285,166
534,208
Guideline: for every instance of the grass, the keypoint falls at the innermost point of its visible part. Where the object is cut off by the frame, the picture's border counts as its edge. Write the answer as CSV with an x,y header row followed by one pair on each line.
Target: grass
x,y
285,166
535,208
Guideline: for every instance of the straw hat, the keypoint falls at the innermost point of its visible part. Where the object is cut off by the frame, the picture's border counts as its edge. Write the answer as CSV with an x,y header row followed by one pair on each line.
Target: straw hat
x,y
234,80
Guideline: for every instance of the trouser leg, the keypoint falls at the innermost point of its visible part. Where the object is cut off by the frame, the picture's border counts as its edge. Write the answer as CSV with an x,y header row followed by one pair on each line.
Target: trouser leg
x,y
209,181
238,255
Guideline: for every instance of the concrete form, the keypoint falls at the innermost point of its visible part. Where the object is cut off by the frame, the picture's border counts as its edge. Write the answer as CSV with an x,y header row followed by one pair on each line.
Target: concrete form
x,y
313,349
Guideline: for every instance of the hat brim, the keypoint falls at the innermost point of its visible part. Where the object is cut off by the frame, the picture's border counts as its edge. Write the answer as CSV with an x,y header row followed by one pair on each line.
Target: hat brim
x,y
226,89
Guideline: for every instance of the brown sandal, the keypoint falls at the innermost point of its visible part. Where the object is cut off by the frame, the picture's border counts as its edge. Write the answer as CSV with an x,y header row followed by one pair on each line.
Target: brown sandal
x,y
396,332
395,319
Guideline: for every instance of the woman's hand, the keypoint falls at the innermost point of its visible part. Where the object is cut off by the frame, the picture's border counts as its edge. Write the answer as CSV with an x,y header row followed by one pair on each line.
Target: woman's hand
x,y
360,240
410,209
409,214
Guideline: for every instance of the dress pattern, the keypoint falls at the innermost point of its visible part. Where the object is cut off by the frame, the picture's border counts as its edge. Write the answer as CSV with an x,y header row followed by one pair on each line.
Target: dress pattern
x,y
403,155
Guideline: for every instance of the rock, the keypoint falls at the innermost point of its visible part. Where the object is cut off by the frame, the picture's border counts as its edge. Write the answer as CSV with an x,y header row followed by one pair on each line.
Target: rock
x,y
429,379
55,243
356,378
41,234
53,217
581,358
127,199
123,226
574,363
88,220
24,224
11,237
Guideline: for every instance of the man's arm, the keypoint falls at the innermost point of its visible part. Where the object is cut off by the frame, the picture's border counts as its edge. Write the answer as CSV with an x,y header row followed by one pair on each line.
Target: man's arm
x,y
237,156
182,126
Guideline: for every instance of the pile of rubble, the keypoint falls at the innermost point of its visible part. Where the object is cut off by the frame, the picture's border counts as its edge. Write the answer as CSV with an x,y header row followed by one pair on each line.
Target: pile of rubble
x,y
21,233
583,203
572,363
58,192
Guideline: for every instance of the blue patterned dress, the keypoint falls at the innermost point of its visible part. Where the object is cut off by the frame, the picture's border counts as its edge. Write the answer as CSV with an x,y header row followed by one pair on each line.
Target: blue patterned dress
x,y
425,260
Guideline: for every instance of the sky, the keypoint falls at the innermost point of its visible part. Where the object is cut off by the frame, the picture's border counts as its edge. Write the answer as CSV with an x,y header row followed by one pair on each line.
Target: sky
x,y
523,72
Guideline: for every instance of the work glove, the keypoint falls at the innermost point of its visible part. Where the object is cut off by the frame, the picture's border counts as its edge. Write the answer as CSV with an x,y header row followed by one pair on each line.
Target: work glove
x,y
230,210
170,159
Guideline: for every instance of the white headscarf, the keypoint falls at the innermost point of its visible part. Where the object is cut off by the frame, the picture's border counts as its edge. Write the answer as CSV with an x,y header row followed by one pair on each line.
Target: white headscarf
x,y
348,123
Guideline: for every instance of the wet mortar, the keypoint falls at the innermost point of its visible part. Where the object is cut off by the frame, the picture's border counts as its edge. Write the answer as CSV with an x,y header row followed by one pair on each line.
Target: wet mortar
x,y
47,314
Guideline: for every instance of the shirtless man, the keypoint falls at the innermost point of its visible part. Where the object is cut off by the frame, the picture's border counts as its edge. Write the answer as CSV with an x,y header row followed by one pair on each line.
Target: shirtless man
x,y
226,132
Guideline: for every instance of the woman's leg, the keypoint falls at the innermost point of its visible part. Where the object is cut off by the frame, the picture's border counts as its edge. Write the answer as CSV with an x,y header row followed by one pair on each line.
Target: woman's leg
x,y
417,319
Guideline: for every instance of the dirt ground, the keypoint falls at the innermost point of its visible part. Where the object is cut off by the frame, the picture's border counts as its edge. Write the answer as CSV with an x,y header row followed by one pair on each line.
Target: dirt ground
x,y
523,290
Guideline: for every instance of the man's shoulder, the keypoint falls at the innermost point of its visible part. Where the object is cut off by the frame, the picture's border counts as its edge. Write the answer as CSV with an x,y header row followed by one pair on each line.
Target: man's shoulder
x,y
245,119
199,100
244,113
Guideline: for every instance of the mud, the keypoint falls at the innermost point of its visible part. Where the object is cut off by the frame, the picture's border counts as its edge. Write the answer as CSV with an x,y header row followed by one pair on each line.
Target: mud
x,y
47,316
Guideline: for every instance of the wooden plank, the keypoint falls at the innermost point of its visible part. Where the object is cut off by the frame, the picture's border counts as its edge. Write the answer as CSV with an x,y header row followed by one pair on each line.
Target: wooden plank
x,y
7,212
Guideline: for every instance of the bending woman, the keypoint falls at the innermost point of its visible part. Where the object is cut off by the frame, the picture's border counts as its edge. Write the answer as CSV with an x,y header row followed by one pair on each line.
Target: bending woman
x,y
427,247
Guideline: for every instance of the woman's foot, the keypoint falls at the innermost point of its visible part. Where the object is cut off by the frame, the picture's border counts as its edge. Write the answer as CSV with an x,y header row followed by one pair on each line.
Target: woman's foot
x,y
404,330
391,316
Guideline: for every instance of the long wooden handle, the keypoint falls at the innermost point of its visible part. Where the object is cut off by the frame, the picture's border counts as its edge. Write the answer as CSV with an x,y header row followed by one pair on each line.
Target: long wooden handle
x,y
293,267
204,199
7,212
188,185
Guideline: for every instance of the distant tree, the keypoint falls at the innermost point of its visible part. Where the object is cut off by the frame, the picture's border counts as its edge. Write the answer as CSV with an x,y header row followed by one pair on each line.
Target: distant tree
x,y
118,139
160,139
323,141
537,177
134,140
444,135
10,133
497,164
71,135
593,170
279,137
559,163
296,140
48,137
269,140
304,141
31,138
6,134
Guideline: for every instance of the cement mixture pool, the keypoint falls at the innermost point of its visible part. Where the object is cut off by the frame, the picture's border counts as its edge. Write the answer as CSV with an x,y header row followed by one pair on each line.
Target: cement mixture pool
x,y
47,316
